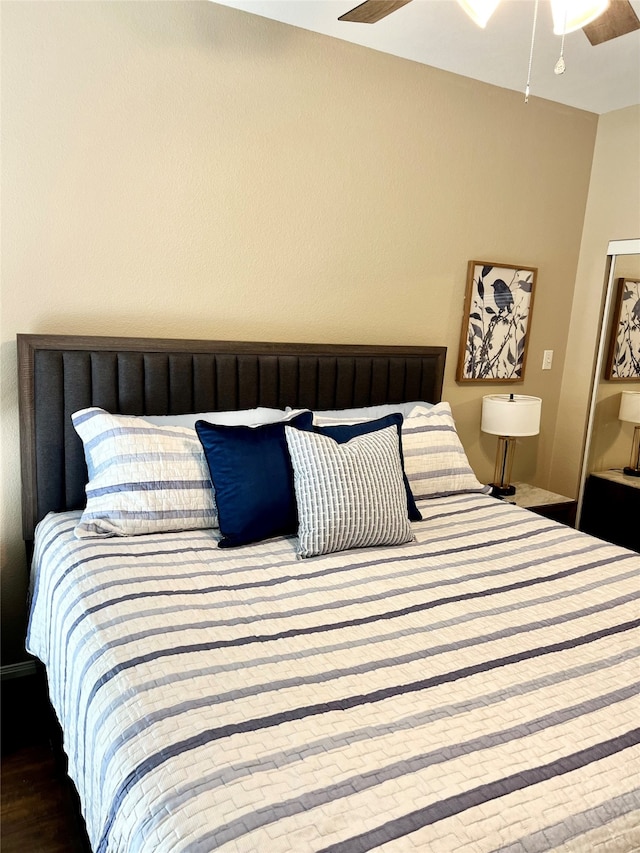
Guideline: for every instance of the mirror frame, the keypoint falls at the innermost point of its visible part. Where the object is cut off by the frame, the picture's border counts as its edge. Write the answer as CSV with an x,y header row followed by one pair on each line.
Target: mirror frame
x,y
615,249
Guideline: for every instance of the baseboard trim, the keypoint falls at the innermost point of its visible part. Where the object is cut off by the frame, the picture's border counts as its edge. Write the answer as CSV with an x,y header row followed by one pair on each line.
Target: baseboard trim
x,y
18,670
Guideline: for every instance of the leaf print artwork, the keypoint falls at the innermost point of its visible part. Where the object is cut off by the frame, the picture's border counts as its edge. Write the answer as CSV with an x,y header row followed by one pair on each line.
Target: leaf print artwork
x,y
623,361
498,304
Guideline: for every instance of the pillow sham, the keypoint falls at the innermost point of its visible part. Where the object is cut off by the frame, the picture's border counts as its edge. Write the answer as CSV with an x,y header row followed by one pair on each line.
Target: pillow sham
x,y
349,495
241,417
142,478
252,477
345,432
434,459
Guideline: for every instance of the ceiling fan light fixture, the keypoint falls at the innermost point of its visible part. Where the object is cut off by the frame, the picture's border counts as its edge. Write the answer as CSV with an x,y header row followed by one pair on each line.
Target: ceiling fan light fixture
x,y
570,15
479,10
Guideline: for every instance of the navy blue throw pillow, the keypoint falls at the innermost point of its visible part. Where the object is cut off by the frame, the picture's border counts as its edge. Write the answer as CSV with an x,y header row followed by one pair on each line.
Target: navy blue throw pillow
x,y
345,432
252,478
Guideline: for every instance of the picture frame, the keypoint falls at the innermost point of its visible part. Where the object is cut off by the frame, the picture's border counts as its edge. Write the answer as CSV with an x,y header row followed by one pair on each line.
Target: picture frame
x,y
623,358
496,322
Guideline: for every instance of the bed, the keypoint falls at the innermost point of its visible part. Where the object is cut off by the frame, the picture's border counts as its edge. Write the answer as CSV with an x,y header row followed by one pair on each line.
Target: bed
x,y
473,687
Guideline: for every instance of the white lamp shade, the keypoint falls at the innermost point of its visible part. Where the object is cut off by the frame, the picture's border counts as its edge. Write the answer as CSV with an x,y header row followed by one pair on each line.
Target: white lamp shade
x,y
511,414
571,15
630,407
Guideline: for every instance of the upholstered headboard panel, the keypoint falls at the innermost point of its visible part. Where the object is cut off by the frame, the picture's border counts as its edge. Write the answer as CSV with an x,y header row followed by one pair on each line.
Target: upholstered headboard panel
x,y
59,374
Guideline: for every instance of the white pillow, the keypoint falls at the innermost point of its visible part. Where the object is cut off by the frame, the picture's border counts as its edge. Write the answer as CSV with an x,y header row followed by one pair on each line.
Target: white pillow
x,y
143,478
364,413
434,459
348,495
241,417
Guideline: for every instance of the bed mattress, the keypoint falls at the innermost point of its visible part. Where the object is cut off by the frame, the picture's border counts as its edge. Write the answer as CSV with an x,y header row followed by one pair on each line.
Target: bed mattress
x,y
474,690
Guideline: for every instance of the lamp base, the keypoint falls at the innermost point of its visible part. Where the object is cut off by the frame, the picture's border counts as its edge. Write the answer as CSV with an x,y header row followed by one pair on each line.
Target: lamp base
x,y
631,472
501,486
502,491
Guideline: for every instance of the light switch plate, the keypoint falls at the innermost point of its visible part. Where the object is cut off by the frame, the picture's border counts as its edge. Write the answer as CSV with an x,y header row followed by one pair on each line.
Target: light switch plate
x,y
547,359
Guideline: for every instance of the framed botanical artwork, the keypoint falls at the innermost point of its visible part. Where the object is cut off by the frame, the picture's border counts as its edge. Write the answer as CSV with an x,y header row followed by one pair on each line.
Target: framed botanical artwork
x,y
495,326
623,361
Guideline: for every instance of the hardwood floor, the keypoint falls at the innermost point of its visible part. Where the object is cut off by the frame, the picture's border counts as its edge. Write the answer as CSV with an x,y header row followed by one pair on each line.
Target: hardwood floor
x,y
39,811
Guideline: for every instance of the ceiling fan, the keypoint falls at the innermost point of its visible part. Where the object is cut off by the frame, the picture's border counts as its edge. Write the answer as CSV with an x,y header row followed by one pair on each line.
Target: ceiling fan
x,y
601,20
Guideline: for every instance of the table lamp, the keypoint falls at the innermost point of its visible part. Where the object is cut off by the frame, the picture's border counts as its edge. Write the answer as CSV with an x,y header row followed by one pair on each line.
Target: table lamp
x,y
630,412
509,416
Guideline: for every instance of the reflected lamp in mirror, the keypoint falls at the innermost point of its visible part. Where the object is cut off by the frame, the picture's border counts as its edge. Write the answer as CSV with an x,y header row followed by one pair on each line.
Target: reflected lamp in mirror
x,y
509,416
630,412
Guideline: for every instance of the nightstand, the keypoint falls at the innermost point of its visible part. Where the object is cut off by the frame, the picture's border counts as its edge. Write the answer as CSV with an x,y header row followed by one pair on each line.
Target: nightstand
x,y
611,508
541,501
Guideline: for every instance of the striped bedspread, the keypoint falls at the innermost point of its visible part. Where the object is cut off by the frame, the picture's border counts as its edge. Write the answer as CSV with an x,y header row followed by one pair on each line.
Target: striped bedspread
x,y
474,690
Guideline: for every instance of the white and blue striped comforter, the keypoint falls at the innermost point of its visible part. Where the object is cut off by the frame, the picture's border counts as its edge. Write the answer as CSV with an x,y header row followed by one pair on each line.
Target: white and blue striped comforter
x,y
476,690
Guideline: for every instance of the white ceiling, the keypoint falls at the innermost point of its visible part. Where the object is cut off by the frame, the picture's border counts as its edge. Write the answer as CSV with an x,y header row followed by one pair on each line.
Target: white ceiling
x,y
439,33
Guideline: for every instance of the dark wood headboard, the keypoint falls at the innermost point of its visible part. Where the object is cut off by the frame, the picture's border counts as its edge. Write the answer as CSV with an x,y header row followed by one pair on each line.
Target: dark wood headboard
x,y
59,374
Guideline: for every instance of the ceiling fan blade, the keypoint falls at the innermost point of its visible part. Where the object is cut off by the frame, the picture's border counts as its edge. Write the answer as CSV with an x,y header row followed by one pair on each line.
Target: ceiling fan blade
x,y
618,20
372,10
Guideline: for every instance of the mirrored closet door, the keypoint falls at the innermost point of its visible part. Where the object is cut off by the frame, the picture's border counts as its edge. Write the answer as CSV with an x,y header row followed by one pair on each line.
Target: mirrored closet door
x,y
609,498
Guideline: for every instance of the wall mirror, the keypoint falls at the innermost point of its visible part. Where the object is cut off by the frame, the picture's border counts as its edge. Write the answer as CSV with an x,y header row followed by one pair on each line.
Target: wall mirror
x,y
608,439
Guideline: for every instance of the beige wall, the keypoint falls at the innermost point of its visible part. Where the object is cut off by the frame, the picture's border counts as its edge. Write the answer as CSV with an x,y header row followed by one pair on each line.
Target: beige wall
x,y
613,213
185,169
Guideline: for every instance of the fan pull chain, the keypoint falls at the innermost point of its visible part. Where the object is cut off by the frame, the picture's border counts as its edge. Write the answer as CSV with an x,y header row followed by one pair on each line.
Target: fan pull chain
x,y
533,38
560,64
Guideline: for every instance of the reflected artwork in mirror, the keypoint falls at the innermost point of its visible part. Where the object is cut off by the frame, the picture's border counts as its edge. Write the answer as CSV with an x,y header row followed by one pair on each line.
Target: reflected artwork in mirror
x,y
623,361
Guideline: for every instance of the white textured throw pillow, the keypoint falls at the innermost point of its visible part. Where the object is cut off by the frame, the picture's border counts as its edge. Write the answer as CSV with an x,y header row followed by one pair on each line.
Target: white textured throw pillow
x,y
143,478
348,495
365,413
238,417
434,459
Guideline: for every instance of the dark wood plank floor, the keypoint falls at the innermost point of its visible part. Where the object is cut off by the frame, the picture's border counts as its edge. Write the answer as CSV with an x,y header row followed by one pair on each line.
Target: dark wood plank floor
x,y
39,811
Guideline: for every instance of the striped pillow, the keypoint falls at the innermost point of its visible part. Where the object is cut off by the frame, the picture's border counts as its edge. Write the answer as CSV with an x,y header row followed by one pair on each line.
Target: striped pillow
x,y
434,459
349,495
142,478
